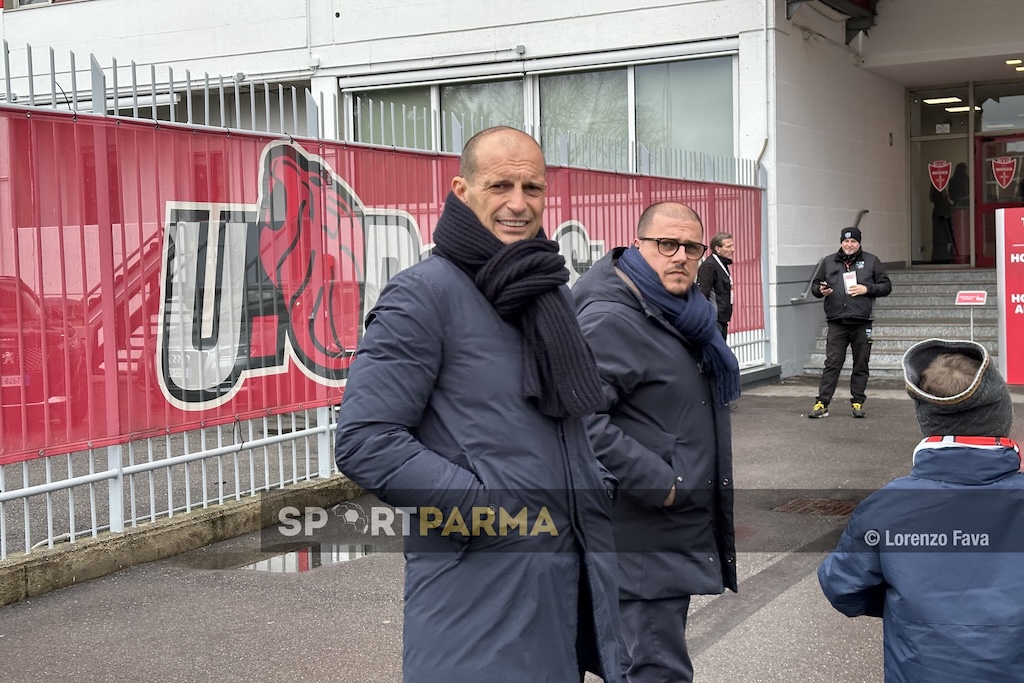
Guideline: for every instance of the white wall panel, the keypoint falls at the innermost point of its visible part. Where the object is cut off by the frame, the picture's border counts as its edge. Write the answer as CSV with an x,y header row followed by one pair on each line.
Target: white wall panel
x,y
219,37
911,31
833,151
387,35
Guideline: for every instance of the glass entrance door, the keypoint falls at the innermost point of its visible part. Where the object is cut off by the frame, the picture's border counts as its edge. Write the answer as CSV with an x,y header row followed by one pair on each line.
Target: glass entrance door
x,y
1000,173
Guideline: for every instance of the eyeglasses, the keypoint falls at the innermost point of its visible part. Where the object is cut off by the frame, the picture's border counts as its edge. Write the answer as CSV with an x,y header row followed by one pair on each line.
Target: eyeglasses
x,y
669,247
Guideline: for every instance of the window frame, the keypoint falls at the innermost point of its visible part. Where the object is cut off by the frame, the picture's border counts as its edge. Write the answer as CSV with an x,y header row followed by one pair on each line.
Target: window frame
x,y
531,70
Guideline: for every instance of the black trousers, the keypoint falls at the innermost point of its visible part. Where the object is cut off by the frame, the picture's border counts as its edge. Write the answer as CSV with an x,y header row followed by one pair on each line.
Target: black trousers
x,y
723,328
841,335
654,635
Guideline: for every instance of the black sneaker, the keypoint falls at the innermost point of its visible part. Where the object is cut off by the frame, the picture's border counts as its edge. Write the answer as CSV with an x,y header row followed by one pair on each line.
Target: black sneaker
x,y
819,410
858,410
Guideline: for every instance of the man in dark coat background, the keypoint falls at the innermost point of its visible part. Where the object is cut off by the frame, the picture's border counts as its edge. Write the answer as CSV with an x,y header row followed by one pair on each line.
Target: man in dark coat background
x,y
715,279
466,399
663,429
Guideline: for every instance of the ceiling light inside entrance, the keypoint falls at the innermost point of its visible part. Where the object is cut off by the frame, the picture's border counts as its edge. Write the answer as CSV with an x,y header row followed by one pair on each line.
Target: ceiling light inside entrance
x,y
1011,62
958,110
942,100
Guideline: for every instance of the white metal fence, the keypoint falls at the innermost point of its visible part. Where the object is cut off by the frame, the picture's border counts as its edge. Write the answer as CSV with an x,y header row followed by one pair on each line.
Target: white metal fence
x,y
64,498
238,102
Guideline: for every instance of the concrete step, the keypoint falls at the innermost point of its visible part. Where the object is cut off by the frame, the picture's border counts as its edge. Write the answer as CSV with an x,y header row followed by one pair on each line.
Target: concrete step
x,y
935,299
936,315
922,306
938,289
944,276
901,344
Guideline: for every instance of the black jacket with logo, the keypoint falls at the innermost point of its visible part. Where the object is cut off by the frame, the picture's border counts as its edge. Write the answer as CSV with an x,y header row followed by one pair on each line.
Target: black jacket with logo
x,y
840,306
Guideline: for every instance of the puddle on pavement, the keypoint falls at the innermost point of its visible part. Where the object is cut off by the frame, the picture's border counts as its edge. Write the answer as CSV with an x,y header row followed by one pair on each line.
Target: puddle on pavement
x,y
310,557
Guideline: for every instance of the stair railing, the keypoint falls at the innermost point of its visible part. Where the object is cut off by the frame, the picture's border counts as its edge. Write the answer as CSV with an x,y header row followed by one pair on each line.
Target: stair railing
x,y
805,298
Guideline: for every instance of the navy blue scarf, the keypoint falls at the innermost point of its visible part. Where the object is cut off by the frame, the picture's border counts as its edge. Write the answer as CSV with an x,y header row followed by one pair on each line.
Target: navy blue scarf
x,y
694,317
524,282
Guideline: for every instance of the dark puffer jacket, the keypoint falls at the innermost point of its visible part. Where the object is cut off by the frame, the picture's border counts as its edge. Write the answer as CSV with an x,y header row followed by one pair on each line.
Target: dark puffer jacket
x,y
939,555
840,306
658,426
434,416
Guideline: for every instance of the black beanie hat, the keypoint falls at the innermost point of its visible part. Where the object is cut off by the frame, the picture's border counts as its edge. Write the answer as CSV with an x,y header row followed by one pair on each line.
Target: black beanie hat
x,y
850,233
982,409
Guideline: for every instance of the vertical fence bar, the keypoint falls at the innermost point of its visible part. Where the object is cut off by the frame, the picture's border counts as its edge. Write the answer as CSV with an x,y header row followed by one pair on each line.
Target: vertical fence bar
x,y
280,104
3,511
31,76
295,110
188,96
135,90
115,489
53,80
266,103
27,519
394,136
99,86
223,123
7,74
171,95
238,102
252,104
152,482
312,116
415,132
324,451
74,82
72,526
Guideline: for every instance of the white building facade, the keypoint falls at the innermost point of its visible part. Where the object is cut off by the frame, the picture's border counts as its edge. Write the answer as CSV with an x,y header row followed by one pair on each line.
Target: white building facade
x,y
829,97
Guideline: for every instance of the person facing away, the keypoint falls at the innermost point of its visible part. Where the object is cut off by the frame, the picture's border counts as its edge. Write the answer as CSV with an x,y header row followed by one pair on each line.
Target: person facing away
x,y
939,554
942,224
715,280
663,429
464,407
849,281
960,186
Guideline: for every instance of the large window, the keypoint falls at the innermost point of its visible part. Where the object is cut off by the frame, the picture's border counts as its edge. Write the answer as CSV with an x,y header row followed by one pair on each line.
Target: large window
x,y
686,105
619,118
401,117
585,119
25,3
469,108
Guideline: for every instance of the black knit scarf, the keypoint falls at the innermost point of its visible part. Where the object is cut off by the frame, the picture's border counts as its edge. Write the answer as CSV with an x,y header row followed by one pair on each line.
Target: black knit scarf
x,y
523,282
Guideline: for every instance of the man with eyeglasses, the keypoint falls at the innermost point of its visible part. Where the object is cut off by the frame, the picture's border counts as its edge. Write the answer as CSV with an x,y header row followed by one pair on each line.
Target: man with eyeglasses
x,y
663,429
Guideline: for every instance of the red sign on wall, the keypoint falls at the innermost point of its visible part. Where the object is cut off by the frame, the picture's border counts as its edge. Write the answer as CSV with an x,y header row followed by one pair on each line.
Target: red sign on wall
x,y
938,173
1010,279
1004,168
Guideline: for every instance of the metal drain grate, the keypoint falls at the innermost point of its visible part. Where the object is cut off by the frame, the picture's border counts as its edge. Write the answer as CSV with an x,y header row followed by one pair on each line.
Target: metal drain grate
x,y
817,506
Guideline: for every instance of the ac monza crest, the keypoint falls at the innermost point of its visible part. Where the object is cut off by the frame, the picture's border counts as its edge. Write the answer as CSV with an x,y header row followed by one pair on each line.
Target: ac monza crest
x,y
938,173
1004,169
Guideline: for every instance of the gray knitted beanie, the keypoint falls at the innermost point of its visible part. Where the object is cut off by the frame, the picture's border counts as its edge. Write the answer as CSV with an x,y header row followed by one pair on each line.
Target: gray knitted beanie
x,y
983,409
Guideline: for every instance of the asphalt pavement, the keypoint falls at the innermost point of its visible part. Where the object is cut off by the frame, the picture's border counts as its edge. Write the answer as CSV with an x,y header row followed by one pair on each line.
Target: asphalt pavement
x,y
230,612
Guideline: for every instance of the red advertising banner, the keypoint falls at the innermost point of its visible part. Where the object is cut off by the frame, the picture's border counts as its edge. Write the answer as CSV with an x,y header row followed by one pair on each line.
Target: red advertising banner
x,y
158,278
1010,283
